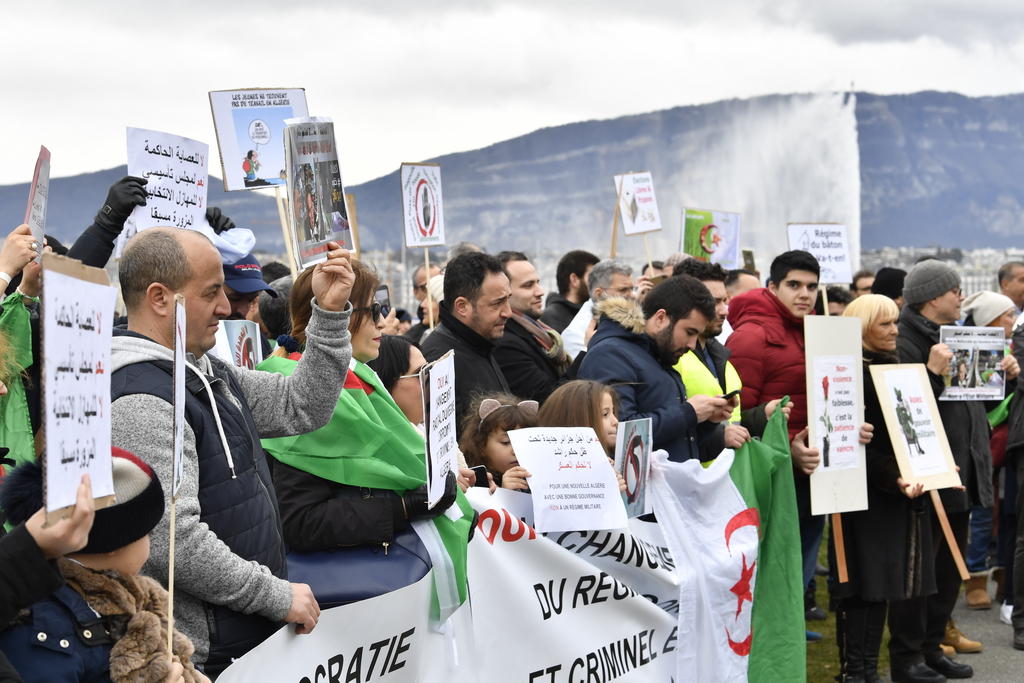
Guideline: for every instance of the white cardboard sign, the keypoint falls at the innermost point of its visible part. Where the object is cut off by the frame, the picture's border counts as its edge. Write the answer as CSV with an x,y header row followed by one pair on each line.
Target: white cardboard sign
x,y
176,174
637,207
835,412
77,320
573,485
35,213
438,382
829,244
422,205
238,343
179,394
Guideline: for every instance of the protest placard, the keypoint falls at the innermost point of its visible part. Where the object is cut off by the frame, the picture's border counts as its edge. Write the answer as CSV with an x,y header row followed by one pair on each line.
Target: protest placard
x,y
250,133
316,197
633,462
77,319
35,212
915,428
637,207
835,412
829,244
175,170
975,373
422,205
712,236
238,342
573,485
437,380
748,260
380,639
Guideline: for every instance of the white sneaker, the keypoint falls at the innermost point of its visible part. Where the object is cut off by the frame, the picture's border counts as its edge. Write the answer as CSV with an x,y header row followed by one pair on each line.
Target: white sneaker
x,y
1005,612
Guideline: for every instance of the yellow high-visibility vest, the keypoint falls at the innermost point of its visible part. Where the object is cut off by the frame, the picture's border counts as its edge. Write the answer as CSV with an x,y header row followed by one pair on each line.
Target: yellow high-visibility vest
x,y
700,381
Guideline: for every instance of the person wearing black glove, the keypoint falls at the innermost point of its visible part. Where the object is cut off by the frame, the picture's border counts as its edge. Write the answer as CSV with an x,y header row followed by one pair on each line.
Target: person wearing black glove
x,y
94,246
217,220
415,500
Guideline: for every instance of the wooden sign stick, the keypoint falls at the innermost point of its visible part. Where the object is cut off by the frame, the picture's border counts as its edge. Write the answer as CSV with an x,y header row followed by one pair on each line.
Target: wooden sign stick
x,y
353,222
954,549
837,518
170,585
426,272
282,216
615,216
647,249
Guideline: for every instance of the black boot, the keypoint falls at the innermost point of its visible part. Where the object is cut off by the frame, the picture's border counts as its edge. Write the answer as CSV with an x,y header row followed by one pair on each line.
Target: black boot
x,y
852,639
873,633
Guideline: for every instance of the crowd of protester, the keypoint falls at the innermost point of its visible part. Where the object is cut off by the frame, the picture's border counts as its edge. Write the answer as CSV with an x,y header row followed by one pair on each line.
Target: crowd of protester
x,y
321,450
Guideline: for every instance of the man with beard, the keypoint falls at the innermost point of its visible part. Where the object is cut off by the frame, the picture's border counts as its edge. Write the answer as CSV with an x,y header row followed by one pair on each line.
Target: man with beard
x,y
530,353
634,349
243,282
707,371
571,278
473,313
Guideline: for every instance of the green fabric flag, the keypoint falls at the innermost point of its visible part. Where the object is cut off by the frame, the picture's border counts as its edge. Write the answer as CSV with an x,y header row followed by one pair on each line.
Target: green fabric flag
x,y
763,473
15,423
369,442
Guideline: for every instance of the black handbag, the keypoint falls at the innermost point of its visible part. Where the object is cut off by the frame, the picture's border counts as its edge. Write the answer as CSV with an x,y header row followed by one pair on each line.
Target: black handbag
x,y
338,577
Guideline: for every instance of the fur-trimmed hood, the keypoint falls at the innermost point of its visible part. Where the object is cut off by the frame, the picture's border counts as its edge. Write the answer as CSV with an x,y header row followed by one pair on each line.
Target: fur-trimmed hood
x,y
626,312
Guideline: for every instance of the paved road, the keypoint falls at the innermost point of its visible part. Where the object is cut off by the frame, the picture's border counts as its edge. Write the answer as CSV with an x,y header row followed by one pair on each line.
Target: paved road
x,y
999,663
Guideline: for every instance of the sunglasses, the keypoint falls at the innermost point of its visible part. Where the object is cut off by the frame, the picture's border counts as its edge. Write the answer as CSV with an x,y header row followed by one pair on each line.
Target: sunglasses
x,y
376,310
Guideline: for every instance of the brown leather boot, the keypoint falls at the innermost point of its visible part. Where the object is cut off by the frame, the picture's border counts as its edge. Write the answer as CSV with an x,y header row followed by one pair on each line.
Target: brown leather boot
x,y
976,592
947,650
958,641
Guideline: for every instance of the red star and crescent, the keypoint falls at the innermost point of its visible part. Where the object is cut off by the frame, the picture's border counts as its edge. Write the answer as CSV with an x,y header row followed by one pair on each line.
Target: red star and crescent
x,y
742,590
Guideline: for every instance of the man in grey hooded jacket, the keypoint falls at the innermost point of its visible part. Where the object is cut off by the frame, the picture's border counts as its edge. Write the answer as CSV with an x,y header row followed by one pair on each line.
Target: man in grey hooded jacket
x,y
230,572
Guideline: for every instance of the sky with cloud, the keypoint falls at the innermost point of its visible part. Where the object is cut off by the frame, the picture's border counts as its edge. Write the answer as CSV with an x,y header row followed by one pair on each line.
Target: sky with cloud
x,y
406,80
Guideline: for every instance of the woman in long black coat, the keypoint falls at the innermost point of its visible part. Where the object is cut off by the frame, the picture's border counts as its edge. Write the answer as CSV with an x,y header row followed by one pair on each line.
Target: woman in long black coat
x,y
886,545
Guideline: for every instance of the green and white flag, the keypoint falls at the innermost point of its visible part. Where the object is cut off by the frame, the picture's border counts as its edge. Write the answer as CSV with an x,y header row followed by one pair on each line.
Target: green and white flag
x,y
732,529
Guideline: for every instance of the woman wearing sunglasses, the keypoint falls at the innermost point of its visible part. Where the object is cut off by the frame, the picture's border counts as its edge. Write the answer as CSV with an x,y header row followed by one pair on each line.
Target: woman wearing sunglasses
x,y
361,478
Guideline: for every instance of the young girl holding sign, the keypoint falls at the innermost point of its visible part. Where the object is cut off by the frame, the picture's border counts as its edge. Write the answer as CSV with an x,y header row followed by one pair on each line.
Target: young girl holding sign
x,y
485,437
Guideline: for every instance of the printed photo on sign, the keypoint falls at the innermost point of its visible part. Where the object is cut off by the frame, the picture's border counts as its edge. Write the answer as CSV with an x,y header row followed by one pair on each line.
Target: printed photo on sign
x,y
638,208
975,373
77,320
422,205
238,342
317,212
176,174
829,244
712,236
632,461
250,133
573,484
915,428
835,381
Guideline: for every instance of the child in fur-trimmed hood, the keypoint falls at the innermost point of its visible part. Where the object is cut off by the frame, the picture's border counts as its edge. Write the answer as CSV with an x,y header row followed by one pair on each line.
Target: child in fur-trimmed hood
x,y
107,622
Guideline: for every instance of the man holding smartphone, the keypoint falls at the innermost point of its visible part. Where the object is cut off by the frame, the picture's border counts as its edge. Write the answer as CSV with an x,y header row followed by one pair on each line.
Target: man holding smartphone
x,y
707,371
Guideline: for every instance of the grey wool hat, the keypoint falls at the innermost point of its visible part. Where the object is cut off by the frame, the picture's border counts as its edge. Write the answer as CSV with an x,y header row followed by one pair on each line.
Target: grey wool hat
x,y
928,280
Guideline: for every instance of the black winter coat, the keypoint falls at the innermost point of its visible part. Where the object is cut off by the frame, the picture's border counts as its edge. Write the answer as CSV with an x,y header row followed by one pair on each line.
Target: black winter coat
x,y
889,545
319,514
965,422
530,374
558,312
476,370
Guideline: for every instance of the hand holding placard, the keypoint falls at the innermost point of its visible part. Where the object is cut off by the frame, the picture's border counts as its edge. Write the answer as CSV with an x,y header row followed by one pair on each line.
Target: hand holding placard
x,y
333,279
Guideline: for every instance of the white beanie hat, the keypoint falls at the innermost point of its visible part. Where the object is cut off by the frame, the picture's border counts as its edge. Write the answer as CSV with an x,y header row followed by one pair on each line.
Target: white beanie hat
x,y
986,307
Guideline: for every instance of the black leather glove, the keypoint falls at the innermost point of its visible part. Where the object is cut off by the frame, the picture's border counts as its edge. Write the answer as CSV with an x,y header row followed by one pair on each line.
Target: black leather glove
x,y
218,221
416,500
122,198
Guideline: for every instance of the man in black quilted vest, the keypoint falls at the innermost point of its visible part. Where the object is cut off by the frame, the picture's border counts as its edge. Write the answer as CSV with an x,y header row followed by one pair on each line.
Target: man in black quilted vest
x,y
230,572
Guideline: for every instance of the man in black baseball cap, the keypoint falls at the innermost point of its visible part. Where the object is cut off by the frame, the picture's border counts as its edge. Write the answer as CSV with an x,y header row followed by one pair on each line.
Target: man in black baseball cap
x,y
243,281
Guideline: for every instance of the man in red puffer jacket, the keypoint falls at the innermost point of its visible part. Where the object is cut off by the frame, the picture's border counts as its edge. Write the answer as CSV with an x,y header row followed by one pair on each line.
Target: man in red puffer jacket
x,y
767,347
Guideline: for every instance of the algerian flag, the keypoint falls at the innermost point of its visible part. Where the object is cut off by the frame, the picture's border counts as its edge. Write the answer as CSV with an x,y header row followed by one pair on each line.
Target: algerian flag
x,y
732,529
